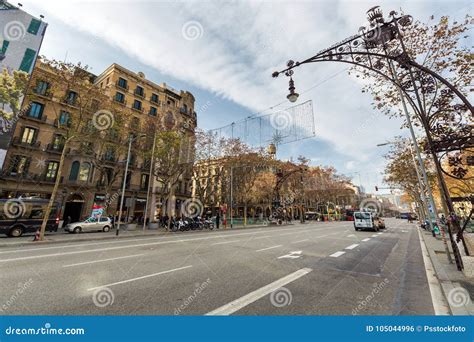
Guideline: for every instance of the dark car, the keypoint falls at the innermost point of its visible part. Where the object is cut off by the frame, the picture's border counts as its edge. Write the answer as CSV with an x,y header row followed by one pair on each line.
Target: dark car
x,y
25,215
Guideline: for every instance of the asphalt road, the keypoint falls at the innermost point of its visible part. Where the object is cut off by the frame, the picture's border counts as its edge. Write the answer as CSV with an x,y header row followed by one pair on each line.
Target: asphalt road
x,y
311,269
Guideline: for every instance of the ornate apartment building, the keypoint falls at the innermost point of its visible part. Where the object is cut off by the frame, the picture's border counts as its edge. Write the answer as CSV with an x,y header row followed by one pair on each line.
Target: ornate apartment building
x,y
33,157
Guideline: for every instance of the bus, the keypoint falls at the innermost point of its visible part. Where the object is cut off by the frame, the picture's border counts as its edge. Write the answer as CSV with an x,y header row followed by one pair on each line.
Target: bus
x,y
25,215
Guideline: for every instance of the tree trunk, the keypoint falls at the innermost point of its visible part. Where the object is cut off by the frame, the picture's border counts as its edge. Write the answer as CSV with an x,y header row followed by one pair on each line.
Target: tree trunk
x,y
53,194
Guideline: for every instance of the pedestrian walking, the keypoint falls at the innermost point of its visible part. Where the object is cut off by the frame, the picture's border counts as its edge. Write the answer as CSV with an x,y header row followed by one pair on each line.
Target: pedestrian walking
x,y
67,221
218,219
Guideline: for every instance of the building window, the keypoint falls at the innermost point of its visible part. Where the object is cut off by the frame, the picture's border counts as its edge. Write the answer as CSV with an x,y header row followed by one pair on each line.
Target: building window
x,y
65,119
139,91
84,172
28,59
28,136
4,47
154,98
36,110
144,181
71,97
122,83
58,142
52,170
34,26
19,165
41,87
135,123
74,171
153,111
137,105
109,154
119,97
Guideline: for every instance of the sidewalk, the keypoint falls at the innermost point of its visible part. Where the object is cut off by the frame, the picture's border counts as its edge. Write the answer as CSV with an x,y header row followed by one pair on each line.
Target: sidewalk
x,y
62,237
458,290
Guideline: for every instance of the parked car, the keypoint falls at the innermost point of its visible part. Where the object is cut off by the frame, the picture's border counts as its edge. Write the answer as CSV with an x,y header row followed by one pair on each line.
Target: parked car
x,y
25,215
368,220
91,224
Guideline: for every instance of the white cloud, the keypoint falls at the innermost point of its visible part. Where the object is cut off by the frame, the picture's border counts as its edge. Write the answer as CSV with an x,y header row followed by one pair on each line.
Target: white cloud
x,y
241,43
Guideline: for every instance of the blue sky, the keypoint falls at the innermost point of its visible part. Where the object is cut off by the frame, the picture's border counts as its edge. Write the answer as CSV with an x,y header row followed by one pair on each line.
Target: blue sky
x,y
228,66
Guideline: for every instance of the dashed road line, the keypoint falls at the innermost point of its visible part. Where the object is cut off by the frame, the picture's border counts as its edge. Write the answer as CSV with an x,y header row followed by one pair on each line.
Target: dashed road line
x,y
224,242
266,249
366,239
139,278
242,302
103,260
300,241
337,254
352,246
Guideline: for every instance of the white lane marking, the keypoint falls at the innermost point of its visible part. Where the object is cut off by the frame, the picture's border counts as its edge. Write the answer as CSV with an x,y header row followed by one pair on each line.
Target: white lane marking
x,y
365,240
241,302
379,233
437,298
224,242
351,235
337,254
352,246
66,244
375,235
292,233
262,237
103,260
291,255
139,278
300,241
266,249
120,247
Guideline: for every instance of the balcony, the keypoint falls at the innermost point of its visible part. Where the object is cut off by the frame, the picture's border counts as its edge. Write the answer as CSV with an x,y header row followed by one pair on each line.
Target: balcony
x,y
122,86
42,118
34,145
139,94
123,103
44,94
55,148
140,110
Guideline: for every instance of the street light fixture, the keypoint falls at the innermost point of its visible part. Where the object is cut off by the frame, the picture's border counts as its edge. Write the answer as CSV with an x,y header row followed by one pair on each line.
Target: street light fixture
x,y
292,96
381,44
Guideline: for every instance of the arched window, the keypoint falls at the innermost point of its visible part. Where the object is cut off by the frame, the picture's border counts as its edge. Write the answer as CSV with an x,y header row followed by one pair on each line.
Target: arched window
x,y
74,171
84,172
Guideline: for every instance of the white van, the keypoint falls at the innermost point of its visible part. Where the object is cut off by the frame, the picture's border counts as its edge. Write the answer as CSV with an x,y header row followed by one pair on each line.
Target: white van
x,y
367,220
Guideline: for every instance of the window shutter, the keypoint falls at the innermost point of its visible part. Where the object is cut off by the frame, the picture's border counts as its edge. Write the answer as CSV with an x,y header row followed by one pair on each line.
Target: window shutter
x,y
27,61
34,26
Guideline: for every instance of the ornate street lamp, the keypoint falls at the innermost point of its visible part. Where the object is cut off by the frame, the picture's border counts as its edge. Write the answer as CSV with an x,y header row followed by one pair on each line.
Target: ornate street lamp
x,y
378,48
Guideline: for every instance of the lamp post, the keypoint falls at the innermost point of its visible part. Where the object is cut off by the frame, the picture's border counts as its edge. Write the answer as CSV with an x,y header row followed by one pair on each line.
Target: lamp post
x,y
131,138
369,49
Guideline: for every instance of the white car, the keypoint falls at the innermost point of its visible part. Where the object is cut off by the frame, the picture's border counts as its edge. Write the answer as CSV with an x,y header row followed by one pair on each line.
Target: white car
x,y
367,220
91,224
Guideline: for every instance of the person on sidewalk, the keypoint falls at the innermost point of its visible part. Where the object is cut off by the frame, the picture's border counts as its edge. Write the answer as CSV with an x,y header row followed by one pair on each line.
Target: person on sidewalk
x,y
218,219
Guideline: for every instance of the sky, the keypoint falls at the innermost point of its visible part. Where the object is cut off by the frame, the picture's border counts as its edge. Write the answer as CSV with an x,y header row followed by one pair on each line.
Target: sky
x,y
224,52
